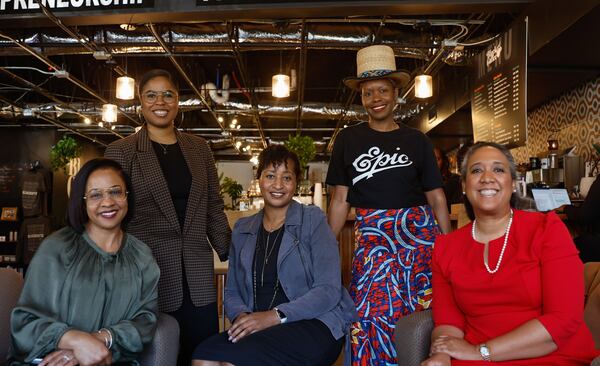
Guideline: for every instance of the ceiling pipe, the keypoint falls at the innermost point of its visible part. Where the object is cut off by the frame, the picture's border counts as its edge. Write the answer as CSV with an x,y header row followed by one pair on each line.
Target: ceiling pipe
x,y
234,42
55,123
46,94
213,37
301,78
88,44
67,75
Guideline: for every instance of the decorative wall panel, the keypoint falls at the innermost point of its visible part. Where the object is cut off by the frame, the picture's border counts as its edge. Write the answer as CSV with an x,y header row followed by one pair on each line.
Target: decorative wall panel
x,y
573,119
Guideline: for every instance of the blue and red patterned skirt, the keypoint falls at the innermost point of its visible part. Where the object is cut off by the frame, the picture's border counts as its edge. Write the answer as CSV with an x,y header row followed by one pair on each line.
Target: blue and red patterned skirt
x,y
391,277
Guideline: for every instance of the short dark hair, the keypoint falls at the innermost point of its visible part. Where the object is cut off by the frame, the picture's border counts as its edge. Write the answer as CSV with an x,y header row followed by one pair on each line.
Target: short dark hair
x,y
514,199
153,74
76,211
276,155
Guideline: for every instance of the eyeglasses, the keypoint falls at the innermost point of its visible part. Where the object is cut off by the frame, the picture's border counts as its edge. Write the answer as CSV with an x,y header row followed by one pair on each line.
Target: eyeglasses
x,y
113,193
151,96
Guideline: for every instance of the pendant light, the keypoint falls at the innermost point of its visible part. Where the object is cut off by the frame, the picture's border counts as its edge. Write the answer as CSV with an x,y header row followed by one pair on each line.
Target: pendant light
x,y
280,83
109,113
423,86
125,88
281,86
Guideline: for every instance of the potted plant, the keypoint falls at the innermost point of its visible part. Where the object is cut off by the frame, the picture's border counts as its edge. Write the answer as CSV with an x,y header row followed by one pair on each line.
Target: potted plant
x,y
304,147
63,151
233,189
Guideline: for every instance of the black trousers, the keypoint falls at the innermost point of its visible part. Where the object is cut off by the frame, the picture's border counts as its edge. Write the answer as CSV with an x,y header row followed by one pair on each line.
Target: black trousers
x,y
195,325
301,343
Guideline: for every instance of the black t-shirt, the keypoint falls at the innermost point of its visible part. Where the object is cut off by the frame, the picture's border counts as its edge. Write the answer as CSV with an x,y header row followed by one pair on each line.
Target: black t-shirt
x,y
33,193
386,170
177,174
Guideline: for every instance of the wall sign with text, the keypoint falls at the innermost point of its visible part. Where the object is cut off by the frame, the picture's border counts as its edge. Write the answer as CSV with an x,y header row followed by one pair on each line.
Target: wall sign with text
x,y
32,6
499,94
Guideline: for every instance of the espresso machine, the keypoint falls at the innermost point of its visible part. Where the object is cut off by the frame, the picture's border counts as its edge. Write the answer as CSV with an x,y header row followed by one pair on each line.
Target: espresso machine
x,y
557,170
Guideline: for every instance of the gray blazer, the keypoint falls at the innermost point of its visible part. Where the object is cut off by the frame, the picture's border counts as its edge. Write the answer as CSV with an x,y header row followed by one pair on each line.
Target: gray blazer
x,y
308,266
155,220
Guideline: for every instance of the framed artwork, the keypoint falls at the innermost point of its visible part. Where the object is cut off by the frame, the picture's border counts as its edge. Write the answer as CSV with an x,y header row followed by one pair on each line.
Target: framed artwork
x,y
9,214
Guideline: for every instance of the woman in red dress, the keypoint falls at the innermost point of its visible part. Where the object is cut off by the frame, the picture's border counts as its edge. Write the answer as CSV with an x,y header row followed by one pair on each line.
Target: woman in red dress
x,y
509,286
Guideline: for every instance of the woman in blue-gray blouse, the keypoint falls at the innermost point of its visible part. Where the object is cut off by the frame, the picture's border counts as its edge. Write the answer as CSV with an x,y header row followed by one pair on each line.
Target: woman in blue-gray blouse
x,y
284,294
90,294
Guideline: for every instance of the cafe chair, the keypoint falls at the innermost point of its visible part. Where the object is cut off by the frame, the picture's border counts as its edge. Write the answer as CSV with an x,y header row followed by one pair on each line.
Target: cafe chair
x,y
413,338
11,284
165,346
591,312
161,352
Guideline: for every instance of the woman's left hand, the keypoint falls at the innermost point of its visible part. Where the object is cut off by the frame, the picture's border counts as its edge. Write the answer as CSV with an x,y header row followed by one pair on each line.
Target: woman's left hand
x,y
456,348
250,323
63,357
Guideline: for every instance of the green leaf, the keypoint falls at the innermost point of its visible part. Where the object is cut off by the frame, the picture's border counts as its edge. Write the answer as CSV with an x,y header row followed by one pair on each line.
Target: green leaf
x,y
64,150
304,147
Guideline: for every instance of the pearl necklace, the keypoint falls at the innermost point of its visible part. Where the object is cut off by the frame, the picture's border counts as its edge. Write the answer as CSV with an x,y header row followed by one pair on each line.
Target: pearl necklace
x,y
486,249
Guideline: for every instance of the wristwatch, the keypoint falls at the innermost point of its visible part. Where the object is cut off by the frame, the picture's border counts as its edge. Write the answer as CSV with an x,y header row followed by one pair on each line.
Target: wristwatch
x,y
484,351
281,315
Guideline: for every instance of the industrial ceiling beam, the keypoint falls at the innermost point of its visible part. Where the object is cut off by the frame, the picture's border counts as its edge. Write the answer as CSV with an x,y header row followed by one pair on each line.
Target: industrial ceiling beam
x,y
46,94
55,122
67,76
301,82
234,40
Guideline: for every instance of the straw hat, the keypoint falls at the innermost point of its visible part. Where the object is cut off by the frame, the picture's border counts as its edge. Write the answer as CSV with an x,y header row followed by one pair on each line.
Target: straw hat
x,y
377,62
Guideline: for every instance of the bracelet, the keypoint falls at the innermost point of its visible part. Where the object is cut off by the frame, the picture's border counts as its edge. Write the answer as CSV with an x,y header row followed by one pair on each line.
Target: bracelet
x,y
108,341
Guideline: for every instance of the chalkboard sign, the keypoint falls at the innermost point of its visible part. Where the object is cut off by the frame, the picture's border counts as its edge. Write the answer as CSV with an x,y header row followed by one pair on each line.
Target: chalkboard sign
x,y
499,94
10,179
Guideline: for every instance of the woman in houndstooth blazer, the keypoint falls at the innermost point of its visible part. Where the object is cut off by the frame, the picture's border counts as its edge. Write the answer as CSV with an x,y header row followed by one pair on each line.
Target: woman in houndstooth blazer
x,y
179,213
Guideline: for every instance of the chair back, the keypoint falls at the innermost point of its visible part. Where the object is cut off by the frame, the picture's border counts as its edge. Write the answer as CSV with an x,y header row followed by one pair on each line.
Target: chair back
x,y
413,338
11,284
459,210
591,313
165,345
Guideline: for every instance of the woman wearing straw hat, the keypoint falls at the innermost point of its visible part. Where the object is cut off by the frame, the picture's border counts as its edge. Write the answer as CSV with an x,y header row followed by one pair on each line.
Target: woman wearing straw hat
x,y
388,172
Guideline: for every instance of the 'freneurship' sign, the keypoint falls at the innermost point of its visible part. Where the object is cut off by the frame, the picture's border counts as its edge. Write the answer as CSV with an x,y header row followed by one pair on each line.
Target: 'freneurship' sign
x,y
31,6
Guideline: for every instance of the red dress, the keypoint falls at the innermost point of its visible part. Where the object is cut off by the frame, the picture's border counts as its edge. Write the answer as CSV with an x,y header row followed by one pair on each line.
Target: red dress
x,y
540,277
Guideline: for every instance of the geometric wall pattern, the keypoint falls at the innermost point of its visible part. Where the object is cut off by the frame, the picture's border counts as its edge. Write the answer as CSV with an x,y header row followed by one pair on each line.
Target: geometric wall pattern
x,y
572,119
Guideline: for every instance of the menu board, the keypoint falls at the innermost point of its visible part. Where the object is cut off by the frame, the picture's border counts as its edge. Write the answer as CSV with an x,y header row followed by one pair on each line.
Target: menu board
x,y
499,94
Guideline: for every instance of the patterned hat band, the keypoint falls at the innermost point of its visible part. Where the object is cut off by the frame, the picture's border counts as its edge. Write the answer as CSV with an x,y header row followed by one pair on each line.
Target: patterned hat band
x,y
374,73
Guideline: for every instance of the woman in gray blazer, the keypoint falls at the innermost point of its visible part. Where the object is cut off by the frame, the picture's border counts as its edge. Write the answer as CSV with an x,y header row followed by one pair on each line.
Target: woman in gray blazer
x,y
284,294
179,213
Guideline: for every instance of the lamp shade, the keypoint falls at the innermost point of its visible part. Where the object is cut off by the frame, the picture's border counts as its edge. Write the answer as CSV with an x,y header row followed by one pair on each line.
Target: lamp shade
x,y
281,86
109,113
125,88
423,86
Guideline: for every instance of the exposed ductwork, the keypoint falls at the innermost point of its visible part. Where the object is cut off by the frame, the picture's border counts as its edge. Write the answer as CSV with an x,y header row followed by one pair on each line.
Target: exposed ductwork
x,y
211,37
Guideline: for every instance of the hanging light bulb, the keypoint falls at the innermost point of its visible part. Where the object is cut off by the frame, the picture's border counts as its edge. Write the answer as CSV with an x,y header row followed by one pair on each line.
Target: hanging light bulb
x,y
281,86
423,86
125,88
238,144
109,113
87,120
254,159
220,119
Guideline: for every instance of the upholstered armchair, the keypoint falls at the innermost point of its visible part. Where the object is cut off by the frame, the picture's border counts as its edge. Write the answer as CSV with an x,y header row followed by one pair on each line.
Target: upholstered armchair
x,y
162,352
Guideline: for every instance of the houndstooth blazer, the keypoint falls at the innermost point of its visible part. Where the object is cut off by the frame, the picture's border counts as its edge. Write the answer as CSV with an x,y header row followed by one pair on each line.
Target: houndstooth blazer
x,y
155,220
